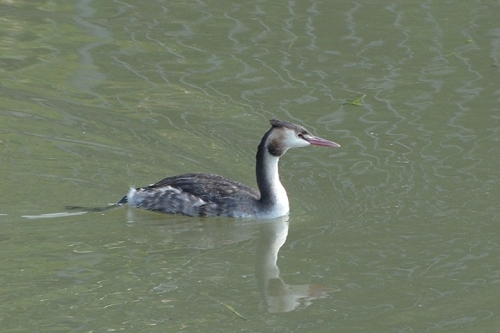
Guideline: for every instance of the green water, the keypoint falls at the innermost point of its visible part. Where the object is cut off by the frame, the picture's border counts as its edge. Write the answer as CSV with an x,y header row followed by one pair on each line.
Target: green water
x,y
396,231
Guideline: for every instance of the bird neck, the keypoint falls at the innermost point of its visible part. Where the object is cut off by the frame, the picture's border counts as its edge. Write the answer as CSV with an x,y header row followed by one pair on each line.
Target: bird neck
x,y
273,196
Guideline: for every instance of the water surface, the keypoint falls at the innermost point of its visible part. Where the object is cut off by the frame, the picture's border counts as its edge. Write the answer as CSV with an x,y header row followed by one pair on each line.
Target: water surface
x,y
396,231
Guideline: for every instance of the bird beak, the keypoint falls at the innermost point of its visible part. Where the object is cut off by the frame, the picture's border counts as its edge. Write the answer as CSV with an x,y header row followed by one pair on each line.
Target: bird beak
x,y
317,141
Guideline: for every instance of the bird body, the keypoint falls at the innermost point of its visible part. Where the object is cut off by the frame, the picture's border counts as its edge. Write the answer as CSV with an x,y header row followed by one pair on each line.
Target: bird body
x,y
197,194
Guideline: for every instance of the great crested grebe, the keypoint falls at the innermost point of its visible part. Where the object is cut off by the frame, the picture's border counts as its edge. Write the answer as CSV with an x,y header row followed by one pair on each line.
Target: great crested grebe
x,y
197,194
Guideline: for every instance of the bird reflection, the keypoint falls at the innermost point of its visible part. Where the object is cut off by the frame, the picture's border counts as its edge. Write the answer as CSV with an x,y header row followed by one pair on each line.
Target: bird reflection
x,y
278,295
201,234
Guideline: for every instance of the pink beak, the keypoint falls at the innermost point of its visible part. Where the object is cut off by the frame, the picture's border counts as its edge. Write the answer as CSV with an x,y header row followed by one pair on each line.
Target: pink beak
x,y
317,141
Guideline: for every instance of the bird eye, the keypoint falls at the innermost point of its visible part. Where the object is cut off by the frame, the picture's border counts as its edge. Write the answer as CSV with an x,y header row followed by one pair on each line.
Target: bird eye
x,y
300,135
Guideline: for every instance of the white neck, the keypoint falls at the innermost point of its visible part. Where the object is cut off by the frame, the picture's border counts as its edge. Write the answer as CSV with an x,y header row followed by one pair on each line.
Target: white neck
x,y
274,199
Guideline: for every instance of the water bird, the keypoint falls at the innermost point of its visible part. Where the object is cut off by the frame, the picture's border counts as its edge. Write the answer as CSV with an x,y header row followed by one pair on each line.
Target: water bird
x,y
199,194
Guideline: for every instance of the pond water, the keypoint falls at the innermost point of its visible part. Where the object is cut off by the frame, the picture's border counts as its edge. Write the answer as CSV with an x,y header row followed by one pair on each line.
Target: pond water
x,y
396,231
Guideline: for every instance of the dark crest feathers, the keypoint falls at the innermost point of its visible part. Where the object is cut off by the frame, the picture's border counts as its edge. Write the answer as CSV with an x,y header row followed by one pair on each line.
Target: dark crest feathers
x,y
287,124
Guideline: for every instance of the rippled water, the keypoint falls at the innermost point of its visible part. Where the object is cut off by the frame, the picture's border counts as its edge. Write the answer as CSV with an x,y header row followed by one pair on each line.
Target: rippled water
x,y
396,231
